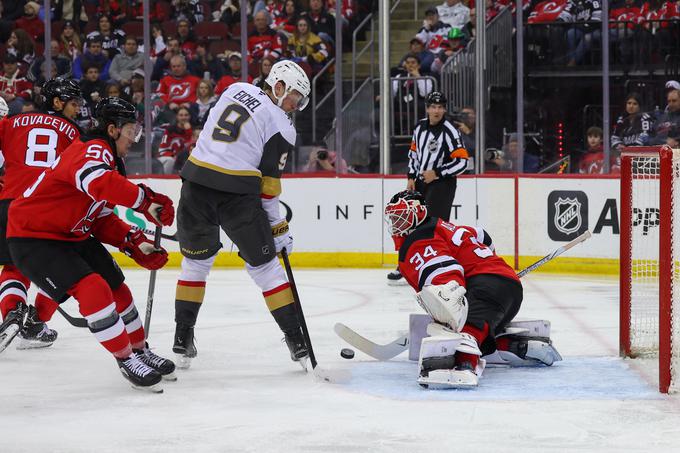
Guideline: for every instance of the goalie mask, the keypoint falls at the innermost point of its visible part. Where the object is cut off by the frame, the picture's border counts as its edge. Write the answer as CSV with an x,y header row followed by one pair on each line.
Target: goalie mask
x,y
404,212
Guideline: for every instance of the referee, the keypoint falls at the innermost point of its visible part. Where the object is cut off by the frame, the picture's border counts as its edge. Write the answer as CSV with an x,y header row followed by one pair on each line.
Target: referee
x,y
436,156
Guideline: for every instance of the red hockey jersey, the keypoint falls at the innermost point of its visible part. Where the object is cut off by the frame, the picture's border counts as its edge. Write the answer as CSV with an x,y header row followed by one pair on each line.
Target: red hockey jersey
x,y
547,11
16,85
30,143
178,90
79,185
438,252
267,44
174,141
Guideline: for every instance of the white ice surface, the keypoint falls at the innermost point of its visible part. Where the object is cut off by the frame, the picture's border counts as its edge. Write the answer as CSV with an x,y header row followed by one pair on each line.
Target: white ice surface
x,y
244,394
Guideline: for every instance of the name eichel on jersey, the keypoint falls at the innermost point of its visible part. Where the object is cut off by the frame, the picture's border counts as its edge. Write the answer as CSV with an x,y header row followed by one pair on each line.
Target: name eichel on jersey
x,y
244,144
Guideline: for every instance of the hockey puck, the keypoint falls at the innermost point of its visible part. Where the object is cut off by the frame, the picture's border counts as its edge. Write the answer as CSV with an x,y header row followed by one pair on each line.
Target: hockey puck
x,y
347,353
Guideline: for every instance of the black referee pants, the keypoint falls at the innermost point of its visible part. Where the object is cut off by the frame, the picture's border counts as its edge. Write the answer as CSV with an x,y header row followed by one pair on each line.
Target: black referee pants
x,y
439,195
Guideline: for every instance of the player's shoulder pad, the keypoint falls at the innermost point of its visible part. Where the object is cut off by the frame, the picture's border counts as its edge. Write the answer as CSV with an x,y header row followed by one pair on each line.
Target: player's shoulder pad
x,y
425,230
280,122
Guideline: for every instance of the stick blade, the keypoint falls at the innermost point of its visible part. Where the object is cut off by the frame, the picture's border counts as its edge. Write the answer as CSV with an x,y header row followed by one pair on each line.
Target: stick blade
x,y
377,351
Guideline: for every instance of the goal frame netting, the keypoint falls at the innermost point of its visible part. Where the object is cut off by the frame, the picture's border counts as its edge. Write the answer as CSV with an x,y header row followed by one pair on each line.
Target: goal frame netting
x,y
664,273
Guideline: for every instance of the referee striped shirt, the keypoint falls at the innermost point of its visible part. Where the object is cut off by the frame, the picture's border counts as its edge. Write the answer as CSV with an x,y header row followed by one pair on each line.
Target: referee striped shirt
x,y
439,148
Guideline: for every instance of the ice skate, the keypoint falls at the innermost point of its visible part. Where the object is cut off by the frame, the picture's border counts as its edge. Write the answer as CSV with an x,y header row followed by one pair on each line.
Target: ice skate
x,y
10,327
534,350
395,278
140,375
185,346
35,333
297,347
164,366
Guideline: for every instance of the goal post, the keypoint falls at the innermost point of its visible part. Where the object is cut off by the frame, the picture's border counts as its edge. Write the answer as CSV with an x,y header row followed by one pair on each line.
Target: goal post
x,y
648,254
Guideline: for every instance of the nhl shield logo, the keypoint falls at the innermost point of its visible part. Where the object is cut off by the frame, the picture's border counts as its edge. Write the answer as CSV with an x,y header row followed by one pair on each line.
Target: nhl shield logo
x,y
567,215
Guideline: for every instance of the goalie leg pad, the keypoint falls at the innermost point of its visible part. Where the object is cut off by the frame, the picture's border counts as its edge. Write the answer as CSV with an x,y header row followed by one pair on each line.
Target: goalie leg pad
x,y
437,359
452,379
445,303
528,328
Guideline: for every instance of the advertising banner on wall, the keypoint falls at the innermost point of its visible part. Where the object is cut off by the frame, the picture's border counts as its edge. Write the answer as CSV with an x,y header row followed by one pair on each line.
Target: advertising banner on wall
x,y
339,221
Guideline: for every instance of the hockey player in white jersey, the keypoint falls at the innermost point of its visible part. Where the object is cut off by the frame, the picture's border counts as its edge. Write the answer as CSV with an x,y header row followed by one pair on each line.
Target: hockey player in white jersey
x,y
231,181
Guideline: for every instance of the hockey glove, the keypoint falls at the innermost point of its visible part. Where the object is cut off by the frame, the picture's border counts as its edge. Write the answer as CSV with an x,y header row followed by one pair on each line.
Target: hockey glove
x,y
156,207
138,247
282,237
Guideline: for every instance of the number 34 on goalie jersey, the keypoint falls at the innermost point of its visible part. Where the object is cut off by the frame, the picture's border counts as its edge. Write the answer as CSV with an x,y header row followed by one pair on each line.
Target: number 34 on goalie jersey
x,y
438,252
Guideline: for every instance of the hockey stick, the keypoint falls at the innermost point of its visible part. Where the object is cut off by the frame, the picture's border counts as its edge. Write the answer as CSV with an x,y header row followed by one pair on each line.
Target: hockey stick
x,y
170,237
393,349
75,322
321,374
557,252
381,352
152,284
82,322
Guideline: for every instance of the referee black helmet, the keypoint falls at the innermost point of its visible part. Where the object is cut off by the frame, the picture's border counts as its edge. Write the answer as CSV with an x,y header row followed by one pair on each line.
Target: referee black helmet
x,y
435,97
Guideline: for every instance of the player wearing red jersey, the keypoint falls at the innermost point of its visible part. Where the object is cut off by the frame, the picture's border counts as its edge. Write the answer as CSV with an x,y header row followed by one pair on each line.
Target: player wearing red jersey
x,y
86,182
30,143
444,263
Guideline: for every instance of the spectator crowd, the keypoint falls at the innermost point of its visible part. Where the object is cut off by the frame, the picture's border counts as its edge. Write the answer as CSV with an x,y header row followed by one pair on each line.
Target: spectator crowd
x,y
195,52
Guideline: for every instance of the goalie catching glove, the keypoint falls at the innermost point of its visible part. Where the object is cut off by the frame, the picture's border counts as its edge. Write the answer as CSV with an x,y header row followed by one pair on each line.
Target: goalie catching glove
x,y
156,207
446,304
138,247
282,237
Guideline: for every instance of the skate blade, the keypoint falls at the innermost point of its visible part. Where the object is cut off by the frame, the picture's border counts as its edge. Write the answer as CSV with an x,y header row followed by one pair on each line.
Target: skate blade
x,y
156,388
182,362
171,377
8,335
24,343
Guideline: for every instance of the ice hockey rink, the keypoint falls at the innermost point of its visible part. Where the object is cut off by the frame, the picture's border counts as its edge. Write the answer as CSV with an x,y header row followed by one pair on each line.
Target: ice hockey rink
x,y
244,394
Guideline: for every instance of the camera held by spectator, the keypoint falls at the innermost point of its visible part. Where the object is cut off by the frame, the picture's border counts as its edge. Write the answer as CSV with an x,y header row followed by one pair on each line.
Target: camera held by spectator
x,y
322,160
492,154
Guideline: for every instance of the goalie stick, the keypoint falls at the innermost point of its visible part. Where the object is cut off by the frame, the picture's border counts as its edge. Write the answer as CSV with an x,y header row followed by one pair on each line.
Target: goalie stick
x,y
324,375
393,349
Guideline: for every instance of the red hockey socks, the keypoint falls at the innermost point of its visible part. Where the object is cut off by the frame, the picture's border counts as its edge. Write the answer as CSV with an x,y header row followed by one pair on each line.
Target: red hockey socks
x,y
96,304
125,307
45,306
13,288
480,335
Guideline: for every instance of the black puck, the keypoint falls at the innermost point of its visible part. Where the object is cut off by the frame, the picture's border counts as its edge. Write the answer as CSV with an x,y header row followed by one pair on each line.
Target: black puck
x,y
347,353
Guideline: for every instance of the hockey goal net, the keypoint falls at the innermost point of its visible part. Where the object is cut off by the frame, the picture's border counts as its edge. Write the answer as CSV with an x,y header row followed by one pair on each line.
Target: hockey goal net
x,y
649,260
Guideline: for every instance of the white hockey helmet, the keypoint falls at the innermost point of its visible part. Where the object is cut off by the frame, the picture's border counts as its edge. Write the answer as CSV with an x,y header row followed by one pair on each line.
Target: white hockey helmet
x,y
4,108
292,75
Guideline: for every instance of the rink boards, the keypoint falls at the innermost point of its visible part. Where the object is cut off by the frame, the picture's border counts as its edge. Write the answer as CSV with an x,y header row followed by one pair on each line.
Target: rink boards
x,y
338,222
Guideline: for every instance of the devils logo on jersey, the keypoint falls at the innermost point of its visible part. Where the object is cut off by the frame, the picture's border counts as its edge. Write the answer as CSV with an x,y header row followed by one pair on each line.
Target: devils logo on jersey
x,y
84,225
180,90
